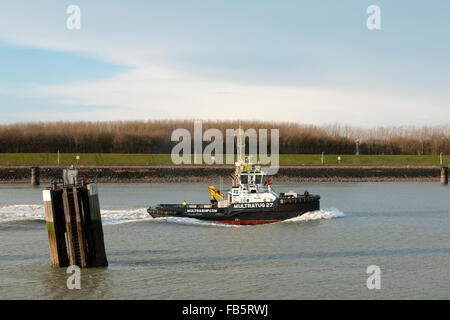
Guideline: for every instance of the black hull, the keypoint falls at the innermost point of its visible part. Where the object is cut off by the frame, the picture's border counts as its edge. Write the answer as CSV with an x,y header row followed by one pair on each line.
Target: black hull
x,y
245,213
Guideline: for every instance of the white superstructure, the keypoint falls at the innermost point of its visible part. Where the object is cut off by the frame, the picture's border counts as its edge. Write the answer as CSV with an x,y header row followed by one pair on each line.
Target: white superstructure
x,y
250,184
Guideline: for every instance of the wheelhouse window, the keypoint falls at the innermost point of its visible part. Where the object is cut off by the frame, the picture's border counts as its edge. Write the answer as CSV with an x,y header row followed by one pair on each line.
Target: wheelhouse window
x,y
258,179
244,179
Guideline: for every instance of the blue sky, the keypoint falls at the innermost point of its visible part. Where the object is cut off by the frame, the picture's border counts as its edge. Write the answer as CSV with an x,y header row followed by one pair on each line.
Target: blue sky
x,y
307,61
35,65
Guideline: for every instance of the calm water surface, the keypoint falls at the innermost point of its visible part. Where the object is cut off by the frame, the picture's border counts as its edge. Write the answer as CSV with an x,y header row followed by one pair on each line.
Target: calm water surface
x,y
401,227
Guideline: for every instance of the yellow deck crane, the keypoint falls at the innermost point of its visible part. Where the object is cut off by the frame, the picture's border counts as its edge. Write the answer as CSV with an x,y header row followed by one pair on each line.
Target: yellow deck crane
x,y
215,193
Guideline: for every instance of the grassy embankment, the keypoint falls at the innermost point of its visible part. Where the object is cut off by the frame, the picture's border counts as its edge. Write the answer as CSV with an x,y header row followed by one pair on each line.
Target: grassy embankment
x,y
13,159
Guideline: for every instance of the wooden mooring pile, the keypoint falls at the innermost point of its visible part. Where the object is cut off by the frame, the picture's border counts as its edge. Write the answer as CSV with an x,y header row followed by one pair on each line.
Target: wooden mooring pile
x,y
74,225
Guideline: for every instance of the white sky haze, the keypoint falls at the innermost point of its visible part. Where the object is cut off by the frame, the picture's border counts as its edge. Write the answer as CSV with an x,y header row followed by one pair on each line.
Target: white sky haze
x,y
303,61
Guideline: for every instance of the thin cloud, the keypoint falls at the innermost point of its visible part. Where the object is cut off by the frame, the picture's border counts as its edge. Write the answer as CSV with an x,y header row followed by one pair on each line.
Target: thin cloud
x,y
219,63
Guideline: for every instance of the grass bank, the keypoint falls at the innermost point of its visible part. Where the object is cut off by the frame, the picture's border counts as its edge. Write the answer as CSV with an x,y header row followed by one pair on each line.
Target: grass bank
x,y
12,159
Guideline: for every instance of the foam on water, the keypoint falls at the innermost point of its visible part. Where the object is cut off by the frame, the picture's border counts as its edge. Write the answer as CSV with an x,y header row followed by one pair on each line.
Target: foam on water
x,y
192,221
120,216
26,212
21,212
326,213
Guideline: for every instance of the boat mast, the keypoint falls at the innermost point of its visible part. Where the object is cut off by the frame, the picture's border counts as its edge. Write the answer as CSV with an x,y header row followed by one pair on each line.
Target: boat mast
x,y
240,145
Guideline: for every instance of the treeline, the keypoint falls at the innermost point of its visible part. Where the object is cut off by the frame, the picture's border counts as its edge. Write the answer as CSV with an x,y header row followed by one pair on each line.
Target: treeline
x,y
155,137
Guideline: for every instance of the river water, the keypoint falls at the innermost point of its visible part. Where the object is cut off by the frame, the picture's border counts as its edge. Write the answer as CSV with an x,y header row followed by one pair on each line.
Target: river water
x,y
403,228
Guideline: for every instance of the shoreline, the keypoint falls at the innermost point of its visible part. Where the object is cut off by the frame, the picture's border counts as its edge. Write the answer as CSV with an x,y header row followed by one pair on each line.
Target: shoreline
x,y
192,173
213,181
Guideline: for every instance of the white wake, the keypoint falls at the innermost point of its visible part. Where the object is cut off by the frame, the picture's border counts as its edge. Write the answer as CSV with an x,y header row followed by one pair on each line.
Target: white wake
x,y
22,212
326,213
27,212
194,222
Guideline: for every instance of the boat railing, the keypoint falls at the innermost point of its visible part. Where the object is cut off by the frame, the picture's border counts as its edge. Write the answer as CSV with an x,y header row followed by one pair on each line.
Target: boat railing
x,y
224,203
168,205
262,189
199,206
178,205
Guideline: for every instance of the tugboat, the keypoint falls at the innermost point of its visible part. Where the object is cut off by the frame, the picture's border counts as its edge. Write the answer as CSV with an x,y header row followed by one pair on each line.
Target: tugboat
x,y
250,201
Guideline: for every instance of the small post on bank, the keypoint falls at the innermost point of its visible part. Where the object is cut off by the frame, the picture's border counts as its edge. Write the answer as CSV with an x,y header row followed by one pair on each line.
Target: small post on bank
x,y
444,175
35,176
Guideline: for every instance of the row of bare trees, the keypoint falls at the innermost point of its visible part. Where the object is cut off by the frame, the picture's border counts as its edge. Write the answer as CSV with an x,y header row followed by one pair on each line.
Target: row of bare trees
x,y
155,137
